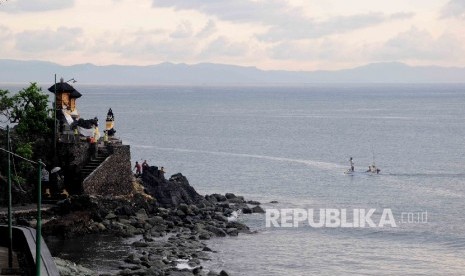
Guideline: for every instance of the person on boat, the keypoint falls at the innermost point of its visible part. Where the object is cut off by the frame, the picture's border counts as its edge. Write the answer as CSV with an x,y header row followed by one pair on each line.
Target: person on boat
x,y
351,164
373,169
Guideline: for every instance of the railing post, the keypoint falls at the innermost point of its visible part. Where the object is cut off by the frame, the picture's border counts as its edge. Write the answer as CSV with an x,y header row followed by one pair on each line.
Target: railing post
x,y
39,219
10,217
55,120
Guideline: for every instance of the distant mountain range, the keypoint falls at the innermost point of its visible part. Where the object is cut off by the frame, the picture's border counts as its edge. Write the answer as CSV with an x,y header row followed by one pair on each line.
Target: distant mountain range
x,y
15,71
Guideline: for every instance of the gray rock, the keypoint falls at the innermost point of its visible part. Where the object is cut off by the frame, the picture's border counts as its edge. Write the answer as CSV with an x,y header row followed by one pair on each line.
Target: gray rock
x,y
142,214
230,195
232,232
219,197
111,216
180,273
140,244
157,229
258,209
219,216
237,225
180,213
216,231
124,221
68,268
236,200
246,210
154,271
101,227
183,207
156,220
204,235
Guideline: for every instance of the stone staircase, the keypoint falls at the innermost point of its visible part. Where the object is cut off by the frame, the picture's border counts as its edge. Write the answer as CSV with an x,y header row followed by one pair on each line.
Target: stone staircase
x,y
94,162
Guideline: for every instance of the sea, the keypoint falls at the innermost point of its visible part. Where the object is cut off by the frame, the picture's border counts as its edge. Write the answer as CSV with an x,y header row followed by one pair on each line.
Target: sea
x,y
291,145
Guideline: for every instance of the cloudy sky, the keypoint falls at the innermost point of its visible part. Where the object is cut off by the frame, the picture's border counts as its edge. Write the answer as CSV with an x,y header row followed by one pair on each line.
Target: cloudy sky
x,y
268,34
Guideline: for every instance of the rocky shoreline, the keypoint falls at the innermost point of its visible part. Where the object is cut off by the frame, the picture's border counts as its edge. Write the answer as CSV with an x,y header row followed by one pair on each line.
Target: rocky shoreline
x,y
169,219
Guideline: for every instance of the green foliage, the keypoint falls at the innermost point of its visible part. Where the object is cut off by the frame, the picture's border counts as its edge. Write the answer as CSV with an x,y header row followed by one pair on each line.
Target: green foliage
x,y
30,112
18,180
25,150
27,112
6,104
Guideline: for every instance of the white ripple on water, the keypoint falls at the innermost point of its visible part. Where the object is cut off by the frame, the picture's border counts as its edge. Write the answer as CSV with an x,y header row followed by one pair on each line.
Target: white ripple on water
x,y
312,163
391,178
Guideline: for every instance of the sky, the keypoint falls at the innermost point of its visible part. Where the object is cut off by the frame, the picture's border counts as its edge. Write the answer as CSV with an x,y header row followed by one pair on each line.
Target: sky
x,y
267,34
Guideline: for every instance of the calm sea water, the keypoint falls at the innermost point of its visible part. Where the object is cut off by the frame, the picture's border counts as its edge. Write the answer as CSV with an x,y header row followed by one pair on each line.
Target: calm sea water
x,y
292,144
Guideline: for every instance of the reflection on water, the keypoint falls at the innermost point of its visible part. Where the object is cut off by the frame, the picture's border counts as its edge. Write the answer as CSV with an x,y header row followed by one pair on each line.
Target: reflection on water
x,y
101,253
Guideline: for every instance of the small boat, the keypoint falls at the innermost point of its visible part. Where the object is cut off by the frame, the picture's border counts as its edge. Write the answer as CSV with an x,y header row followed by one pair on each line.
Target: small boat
x,y
372,169
350,172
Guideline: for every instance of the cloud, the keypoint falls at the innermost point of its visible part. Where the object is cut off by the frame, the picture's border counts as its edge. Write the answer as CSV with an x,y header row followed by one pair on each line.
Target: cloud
x,y
237,10
183,30
36,5
284,21
454,8
64,39
310,29
304,50
5,32
222,47
416,44
208,30
402,15
148,45
6,39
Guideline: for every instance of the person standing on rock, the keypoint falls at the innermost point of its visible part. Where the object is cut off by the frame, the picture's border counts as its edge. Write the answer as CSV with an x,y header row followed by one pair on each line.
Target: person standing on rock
x,y
138,169
162,172
145,166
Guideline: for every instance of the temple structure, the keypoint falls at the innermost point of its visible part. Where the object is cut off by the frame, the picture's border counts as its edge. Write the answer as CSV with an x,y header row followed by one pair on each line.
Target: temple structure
x,y
90,165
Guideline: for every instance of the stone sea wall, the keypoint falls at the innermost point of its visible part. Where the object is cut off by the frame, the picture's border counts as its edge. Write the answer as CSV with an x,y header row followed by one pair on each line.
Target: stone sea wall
x,y
113,176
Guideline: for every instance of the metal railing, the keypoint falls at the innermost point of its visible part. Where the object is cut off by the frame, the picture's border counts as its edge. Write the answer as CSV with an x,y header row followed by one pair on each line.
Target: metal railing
x,y
39,164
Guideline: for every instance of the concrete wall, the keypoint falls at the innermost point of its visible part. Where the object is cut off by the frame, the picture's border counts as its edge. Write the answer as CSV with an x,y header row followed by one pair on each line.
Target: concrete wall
x,y
114,176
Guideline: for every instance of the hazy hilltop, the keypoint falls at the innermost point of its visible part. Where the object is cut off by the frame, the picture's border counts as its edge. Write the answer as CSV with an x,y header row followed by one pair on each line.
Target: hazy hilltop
x,y
15,71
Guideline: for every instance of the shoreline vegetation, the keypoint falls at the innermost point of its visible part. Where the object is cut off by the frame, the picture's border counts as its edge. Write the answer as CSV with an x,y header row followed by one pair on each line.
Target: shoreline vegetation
x,y
170,220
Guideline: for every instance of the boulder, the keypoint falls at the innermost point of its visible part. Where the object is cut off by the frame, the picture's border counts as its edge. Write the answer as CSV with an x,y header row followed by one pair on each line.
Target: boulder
x,y
246,210
219,197
142,214
215,230
230,195
232,232
170,193
258,209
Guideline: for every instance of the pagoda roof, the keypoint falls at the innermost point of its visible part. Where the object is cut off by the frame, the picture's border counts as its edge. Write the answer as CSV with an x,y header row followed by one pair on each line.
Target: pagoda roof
x,y
64,87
